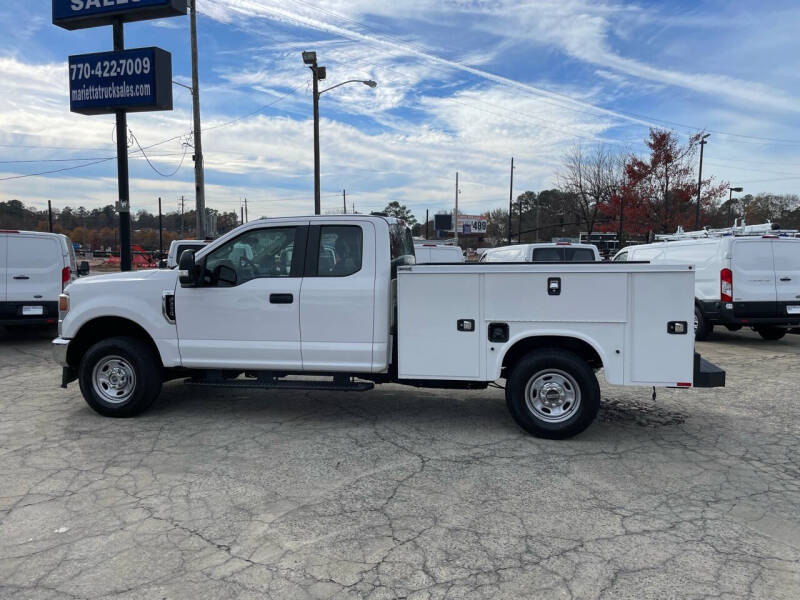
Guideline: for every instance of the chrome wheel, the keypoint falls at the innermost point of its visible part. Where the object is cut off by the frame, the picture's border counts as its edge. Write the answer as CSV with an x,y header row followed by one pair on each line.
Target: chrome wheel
x,y
113,379
552,395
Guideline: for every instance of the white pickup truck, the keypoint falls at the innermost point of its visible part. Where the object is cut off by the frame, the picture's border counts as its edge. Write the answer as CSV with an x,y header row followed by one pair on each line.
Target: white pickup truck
x,y
277,301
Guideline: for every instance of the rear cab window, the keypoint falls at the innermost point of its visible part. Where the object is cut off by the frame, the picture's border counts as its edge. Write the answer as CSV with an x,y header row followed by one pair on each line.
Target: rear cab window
x,y
401,245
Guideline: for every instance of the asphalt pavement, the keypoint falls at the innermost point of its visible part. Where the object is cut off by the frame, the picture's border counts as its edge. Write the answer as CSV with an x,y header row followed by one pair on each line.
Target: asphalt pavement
x,y
401,493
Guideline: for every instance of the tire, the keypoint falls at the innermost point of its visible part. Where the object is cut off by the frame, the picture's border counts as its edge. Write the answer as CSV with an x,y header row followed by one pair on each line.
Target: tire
x,y
702,328
568,377
120,377
771,333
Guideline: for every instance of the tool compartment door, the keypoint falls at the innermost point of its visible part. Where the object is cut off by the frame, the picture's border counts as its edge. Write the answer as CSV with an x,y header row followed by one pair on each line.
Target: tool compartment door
x,y
430,343
655,356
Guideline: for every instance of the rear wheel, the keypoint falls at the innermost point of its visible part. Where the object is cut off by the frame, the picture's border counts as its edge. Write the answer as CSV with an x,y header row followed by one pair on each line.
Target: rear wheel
x,y
553,394
771,333
702,328
120,377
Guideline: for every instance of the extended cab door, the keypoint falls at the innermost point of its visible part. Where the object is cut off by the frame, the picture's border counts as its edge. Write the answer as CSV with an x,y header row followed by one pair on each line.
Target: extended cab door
x,y
787,274
337,302
752,263
253,323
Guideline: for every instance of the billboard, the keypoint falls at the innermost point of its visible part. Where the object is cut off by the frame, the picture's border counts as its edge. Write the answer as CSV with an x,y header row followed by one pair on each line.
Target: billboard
x,y
443,222
79,14
472,224
133,80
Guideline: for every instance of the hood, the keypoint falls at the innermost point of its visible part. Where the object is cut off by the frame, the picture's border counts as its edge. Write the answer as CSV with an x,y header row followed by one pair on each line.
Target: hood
x,y
166,276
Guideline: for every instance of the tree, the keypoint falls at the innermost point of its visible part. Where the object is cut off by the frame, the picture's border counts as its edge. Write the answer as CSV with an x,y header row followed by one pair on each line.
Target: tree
x,y
593,178
399,211
657,194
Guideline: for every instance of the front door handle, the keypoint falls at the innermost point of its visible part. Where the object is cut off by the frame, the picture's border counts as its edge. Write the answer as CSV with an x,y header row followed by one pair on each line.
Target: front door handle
x,y
281,298
786,278
21,277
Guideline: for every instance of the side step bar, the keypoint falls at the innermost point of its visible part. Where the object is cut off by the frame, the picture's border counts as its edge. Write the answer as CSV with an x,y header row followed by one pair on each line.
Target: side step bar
x,y
343,384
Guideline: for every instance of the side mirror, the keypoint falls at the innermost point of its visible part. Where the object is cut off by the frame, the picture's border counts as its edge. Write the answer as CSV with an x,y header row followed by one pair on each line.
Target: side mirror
x,y
83,268
225,275
162,264
188,271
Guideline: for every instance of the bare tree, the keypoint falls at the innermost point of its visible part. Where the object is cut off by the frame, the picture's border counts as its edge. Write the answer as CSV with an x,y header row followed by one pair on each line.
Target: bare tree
x,y
592,178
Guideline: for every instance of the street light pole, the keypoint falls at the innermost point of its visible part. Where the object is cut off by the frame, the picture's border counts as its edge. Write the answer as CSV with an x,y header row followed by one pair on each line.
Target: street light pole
x,y
510,200
319,74
703,142
199,175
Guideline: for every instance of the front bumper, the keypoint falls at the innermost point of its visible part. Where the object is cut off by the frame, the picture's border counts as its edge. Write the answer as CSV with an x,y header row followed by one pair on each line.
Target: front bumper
x,y
59,348
706,374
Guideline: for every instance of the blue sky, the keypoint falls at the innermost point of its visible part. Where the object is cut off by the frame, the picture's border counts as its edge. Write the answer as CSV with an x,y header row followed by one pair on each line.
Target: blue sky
x,y
463,85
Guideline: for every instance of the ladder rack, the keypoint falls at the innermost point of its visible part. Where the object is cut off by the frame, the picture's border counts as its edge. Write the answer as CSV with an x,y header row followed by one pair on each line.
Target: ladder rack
x,y
768,228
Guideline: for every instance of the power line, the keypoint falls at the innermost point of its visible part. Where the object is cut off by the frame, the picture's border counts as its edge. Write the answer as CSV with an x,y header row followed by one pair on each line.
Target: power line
x,y
152,166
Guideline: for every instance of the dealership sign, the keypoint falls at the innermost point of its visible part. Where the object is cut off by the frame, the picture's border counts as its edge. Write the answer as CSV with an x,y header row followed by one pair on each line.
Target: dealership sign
x,y
131,80
471,224
78,14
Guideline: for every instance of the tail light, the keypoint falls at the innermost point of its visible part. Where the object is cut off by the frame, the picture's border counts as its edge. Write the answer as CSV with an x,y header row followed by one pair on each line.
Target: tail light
x,y
66,276
726,285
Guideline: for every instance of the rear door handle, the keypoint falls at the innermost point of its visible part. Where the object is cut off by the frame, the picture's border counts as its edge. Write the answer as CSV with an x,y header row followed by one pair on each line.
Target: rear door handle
x,y
281,298
786,278
21,277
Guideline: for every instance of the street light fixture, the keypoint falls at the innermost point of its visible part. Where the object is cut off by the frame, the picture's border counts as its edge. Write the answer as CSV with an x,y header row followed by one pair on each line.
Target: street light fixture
x,y
319,74
730,198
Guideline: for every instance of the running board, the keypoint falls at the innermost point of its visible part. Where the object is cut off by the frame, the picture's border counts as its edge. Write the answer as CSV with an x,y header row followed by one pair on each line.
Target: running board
x,y
293,384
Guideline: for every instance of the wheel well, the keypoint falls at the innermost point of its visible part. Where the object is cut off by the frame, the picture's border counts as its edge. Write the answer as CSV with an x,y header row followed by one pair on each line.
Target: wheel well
x,y
571,344
103,328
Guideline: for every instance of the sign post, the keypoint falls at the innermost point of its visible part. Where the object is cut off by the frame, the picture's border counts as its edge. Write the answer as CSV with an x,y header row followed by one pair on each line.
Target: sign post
x,y
120,81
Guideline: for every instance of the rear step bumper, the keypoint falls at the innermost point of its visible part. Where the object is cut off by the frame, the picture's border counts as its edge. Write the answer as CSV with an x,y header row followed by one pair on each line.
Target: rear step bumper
x,y
706,374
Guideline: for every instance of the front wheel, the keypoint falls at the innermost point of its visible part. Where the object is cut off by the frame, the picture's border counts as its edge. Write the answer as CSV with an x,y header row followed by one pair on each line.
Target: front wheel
x,y
553,394
771,333
120,377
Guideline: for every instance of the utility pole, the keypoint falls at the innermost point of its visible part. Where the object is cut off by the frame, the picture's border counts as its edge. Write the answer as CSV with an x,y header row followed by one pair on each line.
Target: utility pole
x,y
241,209
427,228
510,200
703,142
199,176
160,231
318,73
246,216
50,215
538,212
181,215
344,200
125,260
455,225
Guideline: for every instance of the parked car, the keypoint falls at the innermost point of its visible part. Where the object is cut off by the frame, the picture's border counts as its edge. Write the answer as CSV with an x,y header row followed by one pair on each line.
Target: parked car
x,y
428,252
546,253
741,280
176,248
35,267
353,305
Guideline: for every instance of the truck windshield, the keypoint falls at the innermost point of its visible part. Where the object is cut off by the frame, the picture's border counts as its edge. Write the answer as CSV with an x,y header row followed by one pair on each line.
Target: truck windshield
x,y
401,245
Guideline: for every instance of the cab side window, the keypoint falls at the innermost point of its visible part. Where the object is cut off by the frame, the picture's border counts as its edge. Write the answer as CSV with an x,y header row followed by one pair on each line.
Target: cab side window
x,y
256,254
340,250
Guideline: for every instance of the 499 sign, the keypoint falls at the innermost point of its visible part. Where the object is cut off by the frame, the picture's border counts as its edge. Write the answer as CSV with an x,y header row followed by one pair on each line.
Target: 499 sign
x,y
131,80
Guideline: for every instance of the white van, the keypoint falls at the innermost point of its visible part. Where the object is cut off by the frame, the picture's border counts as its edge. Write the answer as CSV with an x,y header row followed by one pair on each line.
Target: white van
x,y
428,253
545,253
35,268
741,281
